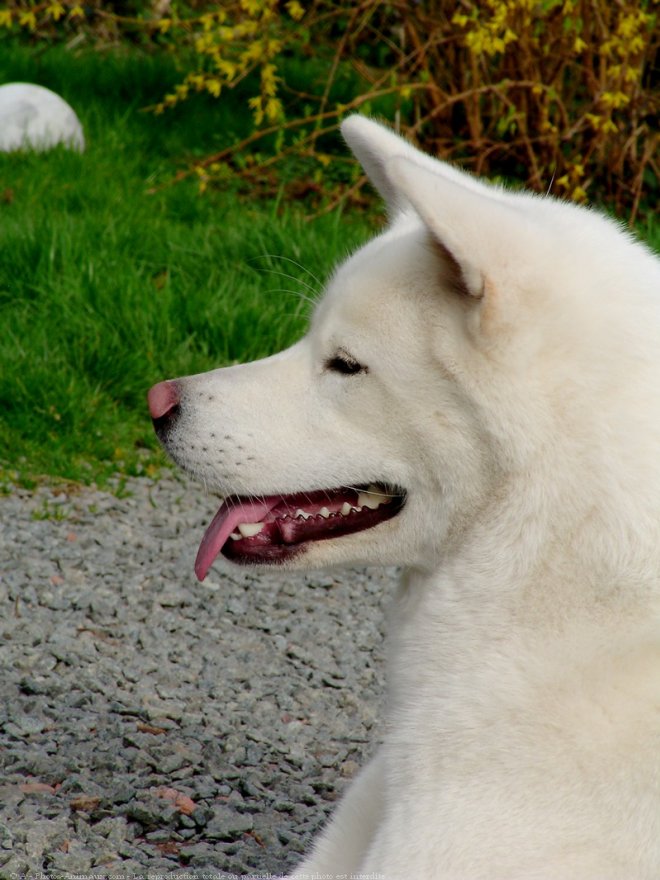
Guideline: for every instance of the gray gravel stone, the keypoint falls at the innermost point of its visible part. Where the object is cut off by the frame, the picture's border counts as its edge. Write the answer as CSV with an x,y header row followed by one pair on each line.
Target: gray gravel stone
x,y
150,724
226,824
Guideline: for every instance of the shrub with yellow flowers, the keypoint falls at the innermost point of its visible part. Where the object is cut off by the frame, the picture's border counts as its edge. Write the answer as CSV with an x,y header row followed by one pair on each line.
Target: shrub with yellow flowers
x,y
567,86
559,94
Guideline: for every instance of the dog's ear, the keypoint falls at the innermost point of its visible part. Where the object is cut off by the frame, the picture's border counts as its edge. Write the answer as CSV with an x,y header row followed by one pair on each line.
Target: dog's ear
x,y
372,145
474,226
464,224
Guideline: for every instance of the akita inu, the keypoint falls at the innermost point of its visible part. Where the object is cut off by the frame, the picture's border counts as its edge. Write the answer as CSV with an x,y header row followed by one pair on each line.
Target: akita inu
x,y
477,401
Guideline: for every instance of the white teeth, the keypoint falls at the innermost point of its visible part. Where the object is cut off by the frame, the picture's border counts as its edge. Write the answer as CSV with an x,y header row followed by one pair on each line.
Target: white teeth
x,y
235,536
324,512
372,498
302,513
345,508
249,530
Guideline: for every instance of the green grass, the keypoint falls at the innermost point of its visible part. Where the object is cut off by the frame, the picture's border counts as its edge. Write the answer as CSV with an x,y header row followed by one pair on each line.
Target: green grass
x,y
106,289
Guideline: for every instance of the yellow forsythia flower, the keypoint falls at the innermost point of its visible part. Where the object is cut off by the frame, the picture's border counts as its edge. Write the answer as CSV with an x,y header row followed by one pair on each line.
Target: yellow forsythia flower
x,y
269,80
196,80
273,109
295,10
28,19
256,105
56,11
253,7
227,68
615,99
214,87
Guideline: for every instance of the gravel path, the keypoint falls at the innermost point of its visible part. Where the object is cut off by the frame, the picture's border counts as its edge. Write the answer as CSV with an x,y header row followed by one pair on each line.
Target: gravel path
x,y
152,726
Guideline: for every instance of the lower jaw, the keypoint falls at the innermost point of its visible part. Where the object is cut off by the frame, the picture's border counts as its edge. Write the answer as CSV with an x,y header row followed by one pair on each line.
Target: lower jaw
x,y
264,554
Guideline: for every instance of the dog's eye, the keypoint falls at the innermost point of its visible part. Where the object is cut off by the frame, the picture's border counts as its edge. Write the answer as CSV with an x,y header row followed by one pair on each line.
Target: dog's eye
x,y
344,364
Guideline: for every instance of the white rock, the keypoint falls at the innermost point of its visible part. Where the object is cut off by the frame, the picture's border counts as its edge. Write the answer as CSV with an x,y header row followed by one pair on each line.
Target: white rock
x,y
32,117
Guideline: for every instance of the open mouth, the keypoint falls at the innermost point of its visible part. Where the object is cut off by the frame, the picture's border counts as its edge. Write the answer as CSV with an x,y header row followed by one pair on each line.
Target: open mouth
x,y
275,528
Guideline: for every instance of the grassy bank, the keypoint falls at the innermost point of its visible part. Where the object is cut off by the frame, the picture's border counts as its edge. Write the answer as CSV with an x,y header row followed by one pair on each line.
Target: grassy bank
x,y
105,288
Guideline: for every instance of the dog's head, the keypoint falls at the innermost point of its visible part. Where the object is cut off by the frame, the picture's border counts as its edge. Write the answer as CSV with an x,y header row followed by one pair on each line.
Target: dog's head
x,y
449,358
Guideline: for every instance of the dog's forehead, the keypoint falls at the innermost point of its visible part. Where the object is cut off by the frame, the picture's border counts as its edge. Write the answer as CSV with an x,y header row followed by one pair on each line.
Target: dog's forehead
x,y
379,278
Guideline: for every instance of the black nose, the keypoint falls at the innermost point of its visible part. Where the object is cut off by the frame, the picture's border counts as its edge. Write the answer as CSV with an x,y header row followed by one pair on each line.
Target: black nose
x,y
164,405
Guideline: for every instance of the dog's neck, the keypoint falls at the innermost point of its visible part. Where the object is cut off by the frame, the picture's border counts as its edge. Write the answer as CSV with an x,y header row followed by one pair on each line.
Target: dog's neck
x,y
544,596
460,668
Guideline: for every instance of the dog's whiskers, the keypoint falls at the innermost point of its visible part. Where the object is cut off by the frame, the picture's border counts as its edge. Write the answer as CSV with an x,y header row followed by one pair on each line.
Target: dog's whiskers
x,y
318,283
369,492
297,293
309,287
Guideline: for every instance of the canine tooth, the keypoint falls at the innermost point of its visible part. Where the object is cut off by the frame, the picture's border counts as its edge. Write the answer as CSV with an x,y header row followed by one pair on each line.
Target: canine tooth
x,y
235,536
249,530
324,512
345,508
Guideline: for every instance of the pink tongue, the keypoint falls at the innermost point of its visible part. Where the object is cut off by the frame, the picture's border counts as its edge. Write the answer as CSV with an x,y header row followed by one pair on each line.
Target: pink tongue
x,y
231,513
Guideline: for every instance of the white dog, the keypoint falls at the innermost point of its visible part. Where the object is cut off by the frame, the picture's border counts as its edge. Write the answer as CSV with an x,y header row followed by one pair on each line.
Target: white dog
x,y
477,401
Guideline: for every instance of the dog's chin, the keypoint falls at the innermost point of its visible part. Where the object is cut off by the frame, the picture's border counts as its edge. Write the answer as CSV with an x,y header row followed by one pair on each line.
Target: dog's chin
x,y
279,529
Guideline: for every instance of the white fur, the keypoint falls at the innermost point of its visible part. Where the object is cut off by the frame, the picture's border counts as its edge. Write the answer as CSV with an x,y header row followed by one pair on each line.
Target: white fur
x,y
513,347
